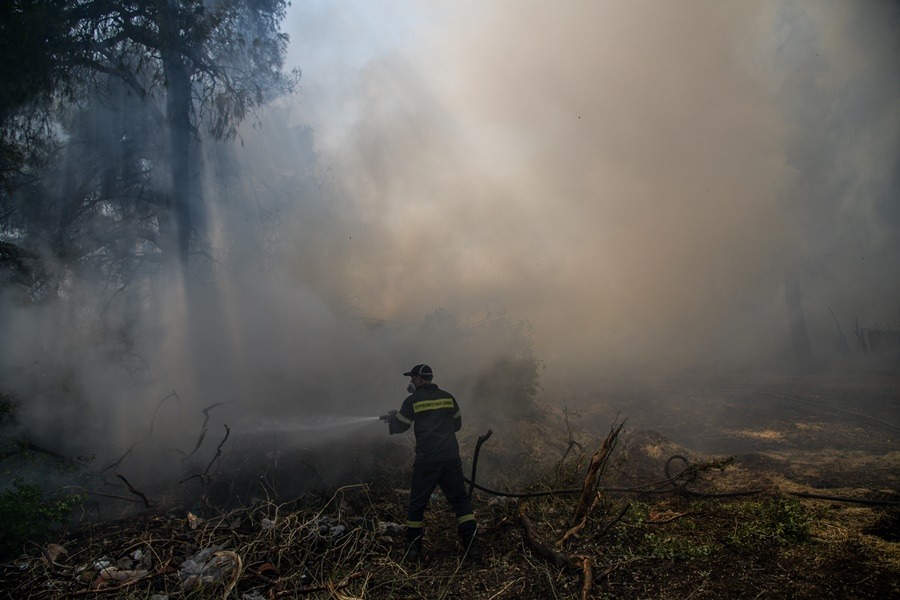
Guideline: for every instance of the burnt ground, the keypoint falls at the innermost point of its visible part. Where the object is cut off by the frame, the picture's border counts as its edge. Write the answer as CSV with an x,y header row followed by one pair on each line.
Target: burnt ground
x,y
739,528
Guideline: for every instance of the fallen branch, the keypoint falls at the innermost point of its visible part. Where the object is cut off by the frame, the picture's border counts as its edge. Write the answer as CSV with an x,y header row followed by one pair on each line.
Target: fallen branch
x,y
598,498
607,571
529,534
481,439
586,567
665,517
614,521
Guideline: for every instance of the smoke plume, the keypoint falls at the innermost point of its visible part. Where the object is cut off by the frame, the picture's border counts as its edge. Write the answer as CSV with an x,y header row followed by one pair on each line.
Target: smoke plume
x,y
609,188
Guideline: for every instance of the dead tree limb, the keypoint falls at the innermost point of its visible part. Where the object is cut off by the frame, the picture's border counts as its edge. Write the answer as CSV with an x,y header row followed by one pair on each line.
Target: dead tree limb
x,y
598,498
204,476
218,451
209,408
584,508
481,439
595,470
155,410
586,567
571,441
571,444
134,491
529,535
116,464
203,429
614,521
197,446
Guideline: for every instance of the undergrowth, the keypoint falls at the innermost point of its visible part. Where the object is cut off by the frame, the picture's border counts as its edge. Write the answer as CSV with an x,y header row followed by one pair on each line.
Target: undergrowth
x,y
27,515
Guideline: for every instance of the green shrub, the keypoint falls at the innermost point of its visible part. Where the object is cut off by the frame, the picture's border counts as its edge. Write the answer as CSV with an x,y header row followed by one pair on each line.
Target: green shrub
x,y
780,521
25,514
677,547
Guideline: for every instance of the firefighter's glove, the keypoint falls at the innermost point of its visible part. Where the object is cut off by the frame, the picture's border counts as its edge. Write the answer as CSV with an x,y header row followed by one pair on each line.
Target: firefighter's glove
x,y
387,418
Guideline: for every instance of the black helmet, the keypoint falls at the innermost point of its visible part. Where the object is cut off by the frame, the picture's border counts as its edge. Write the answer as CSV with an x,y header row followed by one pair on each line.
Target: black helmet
x,y
423,371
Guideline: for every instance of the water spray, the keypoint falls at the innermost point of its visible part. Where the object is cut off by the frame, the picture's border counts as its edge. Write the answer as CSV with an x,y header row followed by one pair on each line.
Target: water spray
x,y
309,424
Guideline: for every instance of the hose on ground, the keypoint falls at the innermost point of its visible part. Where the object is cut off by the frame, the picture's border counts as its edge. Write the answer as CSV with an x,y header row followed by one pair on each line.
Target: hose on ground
x,y
677,484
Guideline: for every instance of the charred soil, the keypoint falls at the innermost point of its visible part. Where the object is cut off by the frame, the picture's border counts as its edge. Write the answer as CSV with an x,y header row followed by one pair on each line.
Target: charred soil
x,y
727,519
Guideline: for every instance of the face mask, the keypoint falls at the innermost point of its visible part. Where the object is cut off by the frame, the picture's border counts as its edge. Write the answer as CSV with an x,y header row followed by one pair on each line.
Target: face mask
x,y
411,387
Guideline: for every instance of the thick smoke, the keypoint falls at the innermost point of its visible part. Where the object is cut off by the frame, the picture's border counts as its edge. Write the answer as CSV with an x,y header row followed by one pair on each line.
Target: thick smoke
x,y
614,188
634,179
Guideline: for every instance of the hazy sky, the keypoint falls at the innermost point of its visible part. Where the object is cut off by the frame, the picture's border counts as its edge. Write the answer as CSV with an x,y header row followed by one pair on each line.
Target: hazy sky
x,y
632,178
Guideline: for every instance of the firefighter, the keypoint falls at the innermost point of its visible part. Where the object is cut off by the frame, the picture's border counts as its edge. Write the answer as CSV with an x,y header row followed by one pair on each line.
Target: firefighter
x,y
436,419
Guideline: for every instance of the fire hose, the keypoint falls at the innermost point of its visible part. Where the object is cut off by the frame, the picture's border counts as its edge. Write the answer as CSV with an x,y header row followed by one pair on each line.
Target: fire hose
x,y
671,484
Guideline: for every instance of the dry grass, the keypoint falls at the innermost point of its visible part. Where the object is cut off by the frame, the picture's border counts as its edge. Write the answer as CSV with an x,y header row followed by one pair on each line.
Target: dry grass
x,y
341,544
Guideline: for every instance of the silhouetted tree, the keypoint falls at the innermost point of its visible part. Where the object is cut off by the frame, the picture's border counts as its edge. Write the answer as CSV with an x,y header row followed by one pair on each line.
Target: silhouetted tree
x,y
32,33
175,71
197,64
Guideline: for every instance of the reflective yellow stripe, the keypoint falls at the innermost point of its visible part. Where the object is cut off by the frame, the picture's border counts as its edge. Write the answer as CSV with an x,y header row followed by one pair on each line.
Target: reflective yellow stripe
x,y
423,405
417,524
465,518
403,419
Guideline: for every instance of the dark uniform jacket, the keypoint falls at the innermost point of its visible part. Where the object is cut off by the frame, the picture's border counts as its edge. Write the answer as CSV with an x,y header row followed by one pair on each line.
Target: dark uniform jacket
x,y
435,414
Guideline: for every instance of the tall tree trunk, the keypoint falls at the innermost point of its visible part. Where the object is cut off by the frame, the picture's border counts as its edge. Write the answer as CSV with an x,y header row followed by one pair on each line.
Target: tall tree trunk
x,y
178,121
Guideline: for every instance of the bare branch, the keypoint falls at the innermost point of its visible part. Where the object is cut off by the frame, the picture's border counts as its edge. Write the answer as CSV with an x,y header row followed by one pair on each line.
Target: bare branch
x,y
134,491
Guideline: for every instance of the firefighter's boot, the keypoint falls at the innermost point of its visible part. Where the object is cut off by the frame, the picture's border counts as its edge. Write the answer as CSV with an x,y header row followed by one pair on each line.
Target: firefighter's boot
x,y
471,547
413,544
